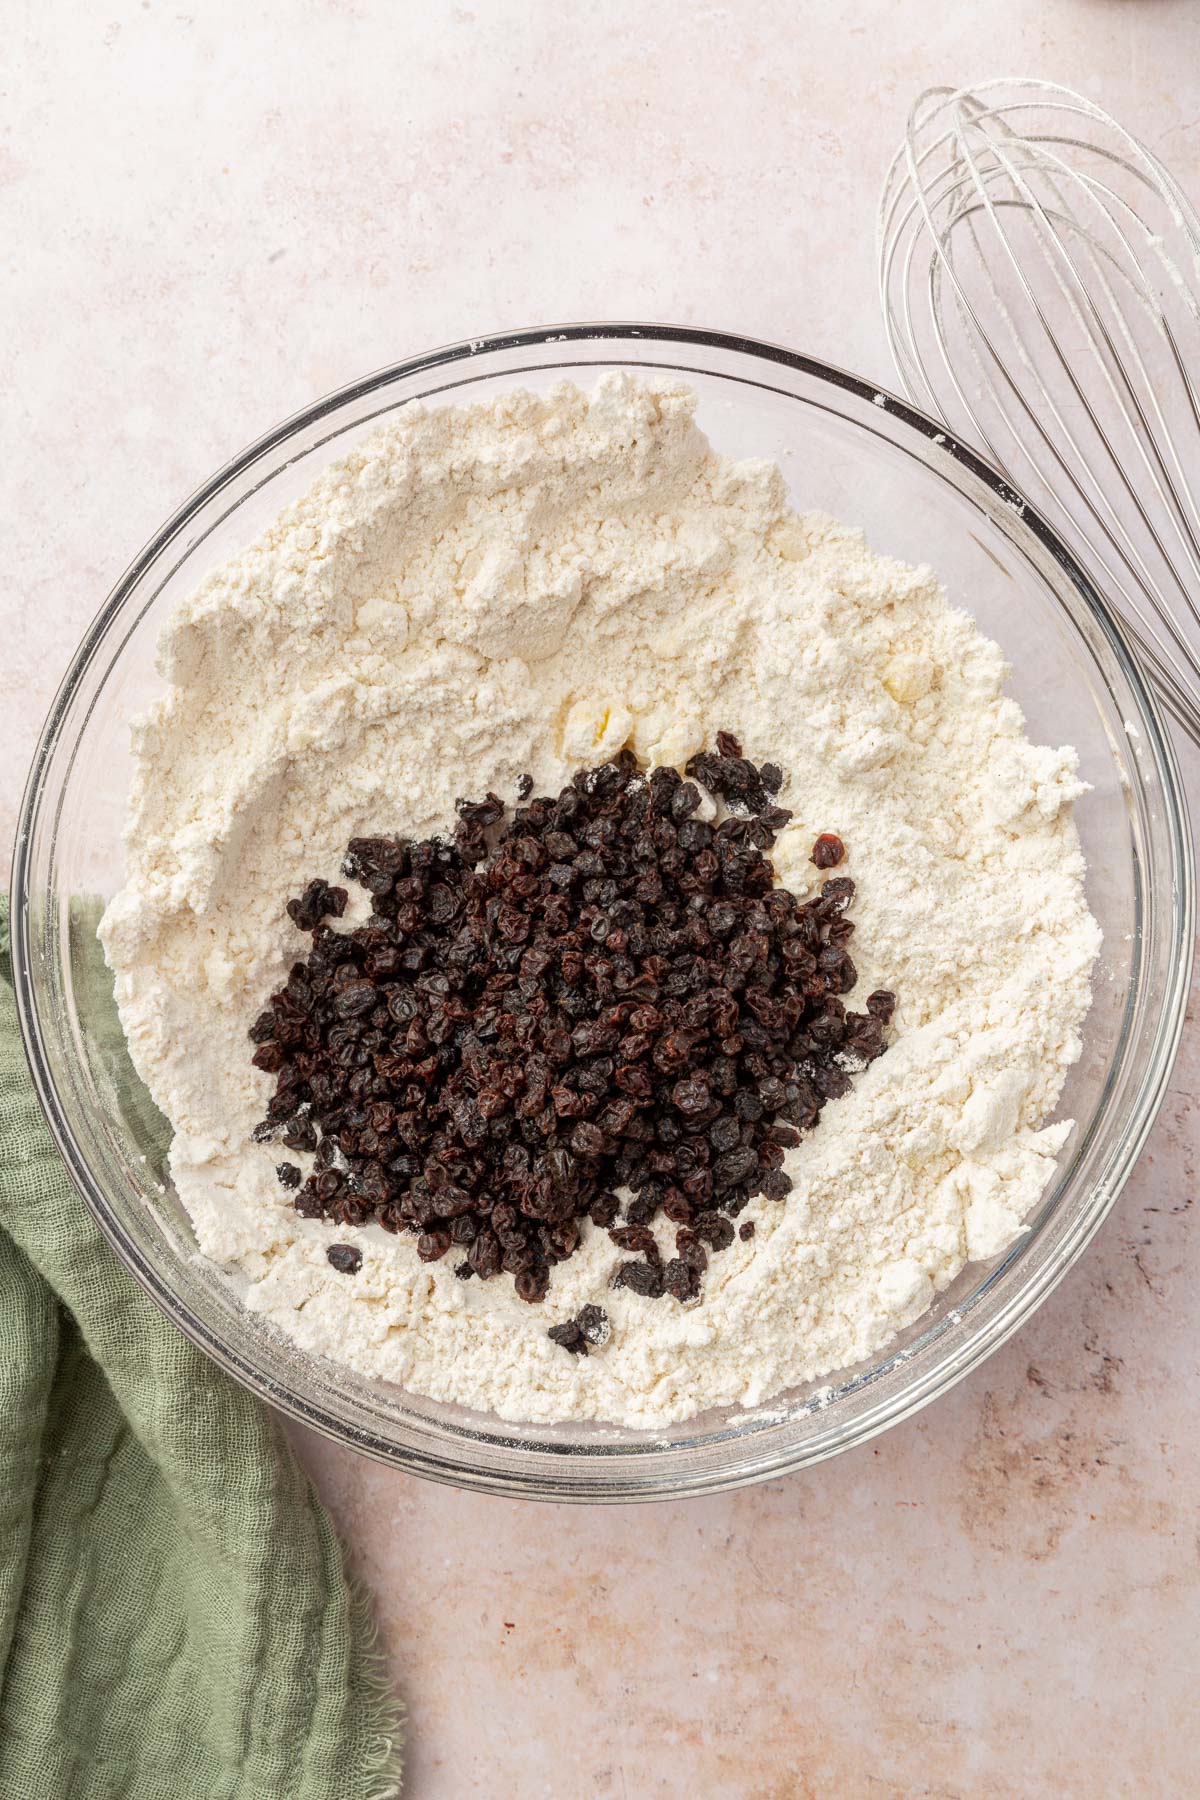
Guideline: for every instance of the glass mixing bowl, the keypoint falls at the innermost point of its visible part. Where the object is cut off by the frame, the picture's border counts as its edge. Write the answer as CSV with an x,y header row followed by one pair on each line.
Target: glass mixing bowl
x,y
847,449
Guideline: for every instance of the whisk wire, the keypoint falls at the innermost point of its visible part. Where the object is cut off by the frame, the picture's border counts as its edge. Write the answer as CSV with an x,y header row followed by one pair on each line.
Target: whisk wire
x,y
1058,255
1144,440
1037,271
945,264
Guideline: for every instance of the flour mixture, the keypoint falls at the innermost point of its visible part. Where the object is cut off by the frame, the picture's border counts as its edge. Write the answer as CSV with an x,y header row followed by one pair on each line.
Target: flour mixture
x,y
487,600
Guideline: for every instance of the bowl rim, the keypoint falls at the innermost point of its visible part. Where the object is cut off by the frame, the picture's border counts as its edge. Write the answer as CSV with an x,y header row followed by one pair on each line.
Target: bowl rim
x,y
993,1332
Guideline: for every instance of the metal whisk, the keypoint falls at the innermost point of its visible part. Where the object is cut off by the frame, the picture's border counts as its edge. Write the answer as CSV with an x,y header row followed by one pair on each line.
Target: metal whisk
x,y
1038,270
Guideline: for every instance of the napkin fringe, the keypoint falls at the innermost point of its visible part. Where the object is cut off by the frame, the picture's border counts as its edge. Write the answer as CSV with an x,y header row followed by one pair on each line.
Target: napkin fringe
x,y
383,1766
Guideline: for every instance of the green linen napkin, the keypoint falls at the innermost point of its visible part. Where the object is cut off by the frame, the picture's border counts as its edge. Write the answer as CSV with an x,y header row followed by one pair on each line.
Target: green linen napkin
x,y
176,1618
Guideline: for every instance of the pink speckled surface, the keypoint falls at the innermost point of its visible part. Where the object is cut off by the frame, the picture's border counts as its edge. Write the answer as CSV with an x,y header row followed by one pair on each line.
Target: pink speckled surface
x,y
214,212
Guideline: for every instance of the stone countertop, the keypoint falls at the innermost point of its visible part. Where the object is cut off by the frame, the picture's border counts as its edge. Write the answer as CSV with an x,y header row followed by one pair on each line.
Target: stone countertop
x,y
217,213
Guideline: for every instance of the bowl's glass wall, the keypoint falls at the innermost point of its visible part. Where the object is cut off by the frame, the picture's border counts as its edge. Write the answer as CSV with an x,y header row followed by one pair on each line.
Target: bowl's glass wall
x,y
843,451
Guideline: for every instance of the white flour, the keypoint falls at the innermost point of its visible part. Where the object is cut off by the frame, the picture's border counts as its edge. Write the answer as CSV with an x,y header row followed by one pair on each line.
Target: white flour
x,y
527,585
